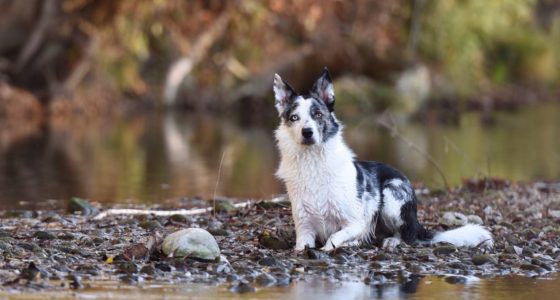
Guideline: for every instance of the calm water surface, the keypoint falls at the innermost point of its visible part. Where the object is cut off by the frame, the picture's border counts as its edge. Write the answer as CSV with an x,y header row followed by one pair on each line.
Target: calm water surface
x,y
431,287
150,158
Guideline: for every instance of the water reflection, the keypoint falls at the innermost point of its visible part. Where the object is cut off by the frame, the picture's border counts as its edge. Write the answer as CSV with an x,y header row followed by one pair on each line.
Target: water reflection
x,y
154,157
430,287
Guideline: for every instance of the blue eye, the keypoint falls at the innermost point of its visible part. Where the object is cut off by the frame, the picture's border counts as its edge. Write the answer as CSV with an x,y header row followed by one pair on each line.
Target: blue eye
x,y
318,115
294,118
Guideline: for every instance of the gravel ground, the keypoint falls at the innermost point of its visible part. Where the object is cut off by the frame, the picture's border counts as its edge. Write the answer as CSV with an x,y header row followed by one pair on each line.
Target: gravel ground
x,y
58,250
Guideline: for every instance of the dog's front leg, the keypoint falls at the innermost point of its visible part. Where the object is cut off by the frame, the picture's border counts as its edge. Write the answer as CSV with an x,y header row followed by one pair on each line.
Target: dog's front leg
x,y
350,233
305,235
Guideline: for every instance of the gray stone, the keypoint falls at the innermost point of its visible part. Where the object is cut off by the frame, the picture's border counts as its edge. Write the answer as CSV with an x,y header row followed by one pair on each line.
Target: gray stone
x,y
482,259
191,242
474,219
453,219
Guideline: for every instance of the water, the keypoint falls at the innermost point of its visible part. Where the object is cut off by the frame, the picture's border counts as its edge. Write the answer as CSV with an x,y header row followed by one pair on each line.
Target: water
x,y
150,158
430,287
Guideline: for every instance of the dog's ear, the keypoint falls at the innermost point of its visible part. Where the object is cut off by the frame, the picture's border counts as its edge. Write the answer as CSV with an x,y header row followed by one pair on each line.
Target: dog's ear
x,y
323,89
283,93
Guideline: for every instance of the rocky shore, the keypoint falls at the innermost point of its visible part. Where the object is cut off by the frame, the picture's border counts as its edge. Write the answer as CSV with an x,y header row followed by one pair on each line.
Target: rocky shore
x,y
55,250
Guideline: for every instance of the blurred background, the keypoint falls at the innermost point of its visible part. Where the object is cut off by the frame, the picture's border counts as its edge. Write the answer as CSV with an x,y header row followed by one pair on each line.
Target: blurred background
x,y
150,101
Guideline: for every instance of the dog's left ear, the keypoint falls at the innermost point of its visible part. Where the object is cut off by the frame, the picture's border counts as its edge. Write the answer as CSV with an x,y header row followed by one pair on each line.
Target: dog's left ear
x,y
323,89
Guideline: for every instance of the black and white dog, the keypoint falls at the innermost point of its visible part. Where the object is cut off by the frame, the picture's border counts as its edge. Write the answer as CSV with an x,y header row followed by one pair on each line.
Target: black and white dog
x,y
336,199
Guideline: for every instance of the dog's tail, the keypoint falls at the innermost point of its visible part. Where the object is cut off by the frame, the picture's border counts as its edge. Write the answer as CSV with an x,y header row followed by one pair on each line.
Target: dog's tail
x,y
470,235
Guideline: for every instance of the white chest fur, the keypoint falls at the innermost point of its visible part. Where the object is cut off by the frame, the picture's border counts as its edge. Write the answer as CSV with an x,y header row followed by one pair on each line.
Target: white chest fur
x,y
321,184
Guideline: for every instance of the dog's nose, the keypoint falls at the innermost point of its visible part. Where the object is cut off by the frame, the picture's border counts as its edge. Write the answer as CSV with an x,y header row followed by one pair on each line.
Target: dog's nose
x,y
307,132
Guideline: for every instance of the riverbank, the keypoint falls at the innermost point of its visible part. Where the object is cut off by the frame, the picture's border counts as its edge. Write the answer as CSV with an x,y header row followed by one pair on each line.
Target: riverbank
x,y
57,251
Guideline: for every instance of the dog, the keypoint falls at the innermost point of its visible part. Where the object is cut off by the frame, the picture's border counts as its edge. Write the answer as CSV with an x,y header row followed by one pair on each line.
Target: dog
x,y
338,200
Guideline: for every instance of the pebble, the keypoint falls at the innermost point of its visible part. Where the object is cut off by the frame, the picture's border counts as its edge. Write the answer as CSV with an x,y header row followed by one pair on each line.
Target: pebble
x,y
82,206
44,235
265,279
445,250
474,219
453,219
242,287
482,259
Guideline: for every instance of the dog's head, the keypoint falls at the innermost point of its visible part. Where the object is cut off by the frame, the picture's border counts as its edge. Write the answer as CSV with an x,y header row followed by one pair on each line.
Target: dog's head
x,y
309,119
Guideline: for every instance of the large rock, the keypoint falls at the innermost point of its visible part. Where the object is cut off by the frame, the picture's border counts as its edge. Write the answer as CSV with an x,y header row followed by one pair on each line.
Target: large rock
x,y
191,242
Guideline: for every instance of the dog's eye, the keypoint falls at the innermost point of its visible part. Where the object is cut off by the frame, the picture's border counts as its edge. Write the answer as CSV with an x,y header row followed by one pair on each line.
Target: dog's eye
x,y
294,118
318,115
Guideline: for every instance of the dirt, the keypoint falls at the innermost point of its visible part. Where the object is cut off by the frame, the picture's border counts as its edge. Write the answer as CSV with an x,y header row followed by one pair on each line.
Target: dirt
x,y
53,250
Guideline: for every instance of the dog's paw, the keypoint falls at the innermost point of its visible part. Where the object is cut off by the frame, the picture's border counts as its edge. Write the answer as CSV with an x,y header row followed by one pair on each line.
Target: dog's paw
x,y
329,246
354,243
390,244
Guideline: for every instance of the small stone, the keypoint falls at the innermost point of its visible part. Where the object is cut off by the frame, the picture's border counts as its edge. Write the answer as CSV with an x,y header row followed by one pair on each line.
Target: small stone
x,y
474,219
66,236
375,279
457,265
417,268
44,235
381,257
456,279
224,206
75,282
482,259
269,261
282,279
270,240
178,218
128,268
219,232
191,242
163,267
242,287
554,214
541,264
453,219
315,254
444,250
131,279
82,206
265,279
148,269
533,268
150,225
232,277
52,218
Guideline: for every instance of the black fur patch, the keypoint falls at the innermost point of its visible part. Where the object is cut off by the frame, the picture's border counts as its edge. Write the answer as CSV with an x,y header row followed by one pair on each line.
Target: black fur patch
x,y
375,176
326,124
288,112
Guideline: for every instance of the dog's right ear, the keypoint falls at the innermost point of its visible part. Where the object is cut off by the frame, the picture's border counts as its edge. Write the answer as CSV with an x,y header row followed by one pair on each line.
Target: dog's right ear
x,y
283,93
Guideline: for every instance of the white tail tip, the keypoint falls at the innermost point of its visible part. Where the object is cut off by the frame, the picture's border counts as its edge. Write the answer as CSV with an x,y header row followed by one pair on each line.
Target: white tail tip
x,y
469,235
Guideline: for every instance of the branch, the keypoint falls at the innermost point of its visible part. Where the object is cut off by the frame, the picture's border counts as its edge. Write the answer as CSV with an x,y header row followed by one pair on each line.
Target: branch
x,y
392,127
47,11
184,65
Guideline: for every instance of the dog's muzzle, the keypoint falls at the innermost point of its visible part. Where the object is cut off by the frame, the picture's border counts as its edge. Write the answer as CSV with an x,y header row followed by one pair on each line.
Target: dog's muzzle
x,y
307,134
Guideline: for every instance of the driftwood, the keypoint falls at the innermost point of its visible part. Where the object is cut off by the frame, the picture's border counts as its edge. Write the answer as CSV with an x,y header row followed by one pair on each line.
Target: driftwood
x,y
194,211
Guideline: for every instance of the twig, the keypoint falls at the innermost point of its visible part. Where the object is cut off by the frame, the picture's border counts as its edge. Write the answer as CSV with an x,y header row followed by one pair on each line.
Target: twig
x,y
395,133
217,182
